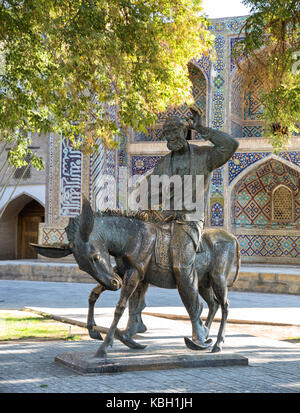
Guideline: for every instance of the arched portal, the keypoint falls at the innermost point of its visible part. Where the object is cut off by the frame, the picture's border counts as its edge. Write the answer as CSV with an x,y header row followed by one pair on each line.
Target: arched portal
x,y
265,214
19,226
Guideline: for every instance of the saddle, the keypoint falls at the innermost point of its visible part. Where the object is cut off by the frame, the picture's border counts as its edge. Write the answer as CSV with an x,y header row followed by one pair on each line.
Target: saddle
x,y
164,234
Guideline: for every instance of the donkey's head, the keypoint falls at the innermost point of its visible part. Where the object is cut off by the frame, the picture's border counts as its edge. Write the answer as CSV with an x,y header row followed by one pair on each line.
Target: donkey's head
x,y
88,248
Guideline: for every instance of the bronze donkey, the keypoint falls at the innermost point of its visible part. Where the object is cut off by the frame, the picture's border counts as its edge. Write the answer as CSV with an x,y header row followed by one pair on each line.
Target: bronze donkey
x,y
137,246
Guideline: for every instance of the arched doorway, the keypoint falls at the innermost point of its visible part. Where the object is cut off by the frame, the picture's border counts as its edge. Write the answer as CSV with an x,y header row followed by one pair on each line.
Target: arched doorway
x,y
29,219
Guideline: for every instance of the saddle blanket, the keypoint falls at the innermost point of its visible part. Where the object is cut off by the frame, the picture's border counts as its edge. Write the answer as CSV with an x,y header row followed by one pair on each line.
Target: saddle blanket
x,y
162,245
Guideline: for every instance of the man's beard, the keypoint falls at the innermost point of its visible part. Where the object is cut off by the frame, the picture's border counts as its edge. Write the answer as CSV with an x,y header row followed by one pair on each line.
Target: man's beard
x,y
177,145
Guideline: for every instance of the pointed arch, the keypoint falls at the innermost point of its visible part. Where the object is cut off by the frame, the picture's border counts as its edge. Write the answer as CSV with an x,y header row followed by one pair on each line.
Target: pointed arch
x,y
20,225
250,193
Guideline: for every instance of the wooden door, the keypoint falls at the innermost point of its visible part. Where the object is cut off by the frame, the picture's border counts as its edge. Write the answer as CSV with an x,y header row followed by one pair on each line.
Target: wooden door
x,y
29,233
28,228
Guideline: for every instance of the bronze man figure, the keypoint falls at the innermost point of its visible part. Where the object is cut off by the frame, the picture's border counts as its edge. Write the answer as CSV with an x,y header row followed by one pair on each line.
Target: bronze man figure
x,y
186,159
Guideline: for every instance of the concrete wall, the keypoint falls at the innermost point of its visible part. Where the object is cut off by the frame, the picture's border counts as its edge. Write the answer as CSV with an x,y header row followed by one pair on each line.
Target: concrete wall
x,y
265,282
255,279
43,271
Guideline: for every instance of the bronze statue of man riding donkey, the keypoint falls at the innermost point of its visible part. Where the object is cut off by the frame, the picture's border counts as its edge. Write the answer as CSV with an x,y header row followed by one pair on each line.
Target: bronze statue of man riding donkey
x,y
166,246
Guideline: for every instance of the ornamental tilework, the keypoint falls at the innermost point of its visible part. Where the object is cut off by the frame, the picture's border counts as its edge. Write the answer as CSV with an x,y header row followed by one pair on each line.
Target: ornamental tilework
x,y
97,166
292,156
240,161
218,83
217,181
218,110
228,24
142,164
236,98
219,64
252,131
252,106
236,130
53,183
269,246
216,212
217,198
52,235
233,43
70,180
252,197
204,63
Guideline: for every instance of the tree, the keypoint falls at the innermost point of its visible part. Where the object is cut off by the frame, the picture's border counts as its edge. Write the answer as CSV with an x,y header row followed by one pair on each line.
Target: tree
x,y
268,52
68,64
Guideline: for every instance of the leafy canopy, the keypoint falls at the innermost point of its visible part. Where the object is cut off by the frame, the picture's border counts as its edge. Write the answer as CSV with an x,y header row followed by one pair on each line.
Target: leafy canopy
x,y
67,64
270,53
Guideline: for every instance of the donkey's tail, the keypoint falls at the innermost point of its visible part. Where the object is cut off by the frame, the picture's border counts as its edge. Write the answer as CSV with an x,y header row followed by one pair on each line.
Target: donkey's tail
x,y
238,262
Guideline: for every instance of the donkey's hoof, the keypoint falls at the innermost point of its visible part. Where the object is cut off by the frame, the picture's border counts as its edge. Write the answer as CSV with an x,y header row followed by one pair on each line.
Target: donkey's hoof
x,y
129,342
95,335
208,341
216,348
196,345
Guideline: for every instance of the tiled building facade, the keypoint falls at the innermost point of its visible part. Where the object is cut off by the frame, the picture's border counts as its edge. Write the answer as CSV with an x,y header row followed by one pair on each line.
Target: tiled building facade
x,y
255,195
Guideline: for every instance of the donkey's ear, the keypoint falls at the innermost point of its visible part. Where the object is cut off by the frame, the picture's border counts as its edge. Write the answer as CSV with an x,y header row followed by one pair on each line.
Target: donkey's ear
x,y
86,220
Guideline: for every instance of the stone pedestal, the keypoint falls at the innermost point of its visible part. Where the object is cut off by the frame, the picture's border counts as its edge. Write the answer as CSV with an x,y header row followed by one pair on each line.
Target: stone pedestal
x,y
132,360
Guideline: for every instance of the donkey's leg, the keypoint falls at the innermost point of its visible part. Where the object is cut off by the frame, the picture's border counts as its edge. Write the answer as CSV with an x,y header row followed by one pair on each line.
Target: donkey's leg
x,y
219,285
93,297
136,305
208,295
225,252
130,283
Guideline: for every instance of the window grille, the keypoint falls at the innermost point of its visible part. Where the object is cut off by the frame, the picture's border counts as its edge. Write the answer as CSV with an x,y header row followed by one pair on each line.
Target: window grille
x,y
20,171
282,204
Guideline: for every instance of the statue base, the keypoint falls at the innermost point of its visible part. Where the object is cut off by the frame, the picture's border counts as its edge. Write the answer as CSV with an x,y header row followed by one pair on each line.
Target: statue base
x,y
132,360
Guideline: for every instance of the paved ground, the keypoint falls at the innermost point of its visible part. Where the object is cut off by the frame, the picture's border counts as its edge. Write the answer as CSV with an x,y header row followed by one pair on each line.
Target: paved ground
x,y
29,367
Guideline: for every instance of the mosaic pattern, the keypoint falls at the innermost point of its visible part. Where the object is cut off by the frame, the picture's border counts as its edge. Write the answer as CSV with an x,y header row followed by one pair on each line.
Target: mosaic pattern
x,y
293,157
252,131
142,164
205,64
233,42
236,98
217,213
217,181
217,198
269,246
219,81
219,64
218,89
236,130
52,235
228,25
252,198
49,186
97,167
252,106
70,180
240,161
